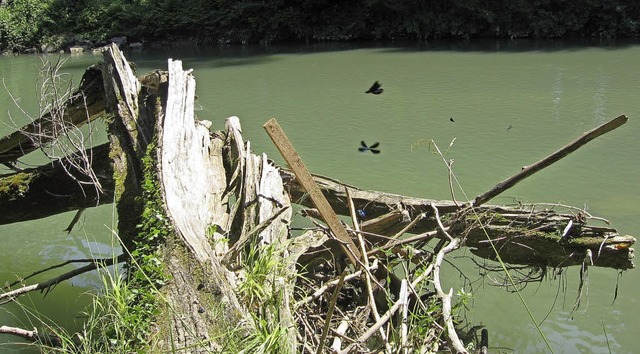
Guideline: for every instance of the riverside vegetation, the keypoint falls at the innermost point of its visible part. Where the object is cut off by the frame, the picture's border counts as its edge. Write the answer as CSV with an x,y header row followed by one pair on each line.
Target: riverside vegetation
x,y
51,25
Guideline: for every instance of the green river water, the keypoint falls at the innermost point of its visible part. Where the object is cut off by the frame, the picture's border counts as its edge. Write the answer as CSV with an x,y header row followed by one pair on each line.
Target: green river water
x,y
547,93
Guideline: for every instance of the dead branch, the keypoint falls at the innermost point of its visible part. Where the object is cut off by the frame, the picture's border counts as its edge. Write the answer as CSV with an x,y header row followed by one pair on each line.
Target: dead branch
x,y
387,315
327,320
331,284
564,151
34,336
294,161
59,265
47,285
368,276
84,105
52,189
452,335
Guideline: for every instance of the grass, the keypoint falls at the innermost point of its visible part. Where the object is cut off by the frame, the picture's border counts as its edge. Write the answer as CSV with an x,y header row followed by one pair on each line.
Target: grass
x,y
112,324
121,317
262,287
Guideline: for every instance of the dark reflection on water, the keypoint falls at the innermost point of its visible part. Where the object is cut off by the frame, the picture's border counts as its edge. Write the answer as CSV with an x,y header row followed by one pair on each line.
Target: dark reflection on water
x,y
193,50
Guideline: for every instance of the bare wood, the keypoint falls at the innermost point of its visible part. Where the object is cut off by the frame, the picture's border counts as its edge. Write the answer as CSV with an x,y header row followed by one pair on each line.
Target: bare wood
x,y
332,283
340,331
86,104
518,229
564,151
294,161
404,327
125,89
53,190
127,167
187,170
452,335
368,275
106,261
376,327
327,320
48,284
192,179
387,315
34,336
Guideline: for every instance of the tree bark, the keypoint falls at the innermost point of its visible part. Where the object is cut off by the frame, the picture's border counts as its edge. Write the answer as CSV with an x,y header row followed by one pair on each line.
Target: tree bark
x,y
36,193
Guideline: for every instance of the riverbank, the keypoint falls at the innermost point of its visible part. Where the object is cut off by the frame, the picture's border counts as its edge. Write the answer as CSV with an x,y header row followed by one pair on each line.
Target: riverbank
x,y
49,26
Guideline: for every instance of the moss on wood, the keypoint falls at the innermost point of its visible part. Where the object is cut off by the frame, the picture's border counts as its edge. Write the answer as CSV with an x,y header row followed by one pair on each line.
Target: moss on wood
x,y
16,185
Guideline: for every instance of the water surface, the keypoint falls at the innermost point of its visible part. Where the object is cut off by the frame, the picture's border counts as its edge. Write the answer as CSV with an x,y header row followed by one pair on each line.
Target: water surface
x,y
512,103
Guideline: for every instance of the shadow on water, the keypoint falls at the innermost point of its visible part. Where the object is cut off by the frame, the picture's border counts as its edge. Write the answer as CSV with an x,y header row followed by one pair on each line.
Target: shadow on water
x,y
200,56
261,52
509,45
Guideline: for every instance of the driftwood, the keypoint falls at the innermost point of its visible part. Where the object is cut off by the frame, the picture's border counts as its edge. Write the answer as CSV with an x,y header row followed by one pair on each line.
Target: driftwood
x,y
34,336
226,206
84,105
328,215
53,190
525,234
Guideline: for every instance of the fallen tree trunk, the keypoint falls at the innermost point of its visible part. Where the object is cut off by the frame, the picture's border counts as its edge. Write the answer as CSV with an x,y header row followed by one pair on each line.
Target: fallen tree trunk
x,y
530,235
531,231
54,189
84,105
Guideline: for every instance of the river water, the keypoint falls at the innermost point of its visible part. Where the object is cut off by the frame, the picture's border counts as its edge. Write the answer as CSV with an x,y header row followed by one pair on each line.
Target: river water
x,y
511,103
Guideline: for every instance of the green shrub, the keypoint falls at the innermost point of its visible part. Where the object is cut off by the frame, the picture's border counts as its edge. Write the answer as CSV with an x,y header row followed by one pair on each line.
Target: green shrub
x,y
21,24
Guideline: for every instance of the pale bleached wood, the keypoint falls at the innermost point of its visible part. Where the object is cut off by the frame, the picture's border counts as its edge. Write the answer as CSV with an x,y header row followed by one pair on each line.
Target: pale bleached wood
x,y
193,177
263,205
118,75
294,161
193,183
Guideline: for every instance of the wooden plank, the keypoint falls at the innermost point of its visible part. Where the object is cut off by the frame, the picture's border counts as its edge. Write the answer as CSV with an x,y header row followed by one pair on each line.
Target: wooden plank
x,y
294,161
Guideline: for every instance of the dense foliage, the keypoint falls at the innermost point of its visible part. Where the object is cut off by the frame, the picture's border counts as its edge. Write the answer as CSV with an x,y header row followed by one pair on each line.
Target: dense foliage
x,y
33,23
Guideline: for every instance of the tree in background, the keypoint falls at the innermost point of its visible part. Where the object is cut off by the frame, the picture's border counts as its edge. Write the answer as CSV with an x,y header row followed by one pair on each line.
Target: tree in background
x,y
58,23
22,23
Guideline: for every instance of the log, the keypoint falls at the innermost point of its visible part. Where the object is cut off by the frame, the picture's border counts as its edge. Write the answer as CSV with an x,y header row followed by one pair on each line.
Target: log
x,y
84,105
53,190
526,234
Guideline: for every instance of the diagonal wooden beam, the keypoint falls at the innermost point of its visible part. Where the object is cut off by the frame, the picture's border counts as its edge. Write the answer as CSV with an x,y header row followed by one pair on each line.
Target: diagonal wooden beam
x,y
302,174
